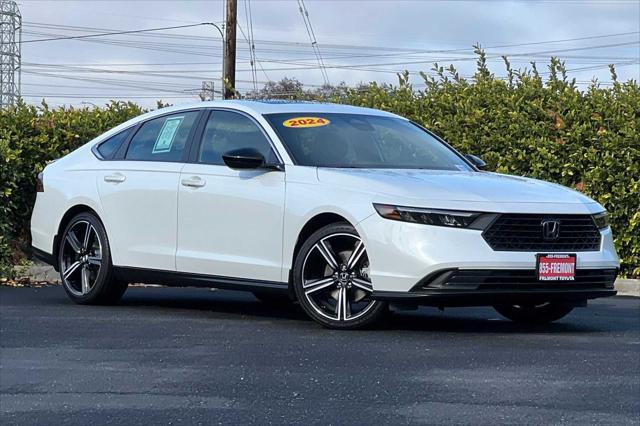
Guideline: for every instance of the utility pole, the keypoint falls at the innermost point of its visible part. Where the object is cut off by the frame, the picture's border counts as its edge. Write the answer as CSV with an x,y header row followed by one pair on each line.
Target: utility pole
x,y
229,89
10,58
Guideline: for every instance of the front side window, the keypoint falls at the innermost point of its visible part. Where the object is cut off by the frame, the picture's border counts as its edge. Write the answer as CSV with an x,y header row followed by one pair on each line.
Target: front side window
x,y
163,138
111,145
362,141
228,131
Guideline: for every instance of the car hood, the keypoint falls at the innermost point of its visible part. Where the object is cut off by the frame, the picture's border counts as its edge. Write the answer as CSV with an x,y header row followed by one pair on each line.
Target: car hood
x,y
452,186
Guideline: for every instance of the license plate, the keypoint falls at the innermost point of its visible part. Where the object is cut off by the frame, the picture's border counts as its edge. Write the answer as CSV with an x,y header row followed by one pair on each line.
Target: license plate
x,y
556,267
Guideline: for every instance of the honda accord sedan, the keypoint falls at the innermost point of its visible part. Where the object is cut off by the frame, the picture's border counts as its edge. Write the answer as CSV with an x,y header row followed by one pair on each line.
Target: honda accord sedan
x,y
349,211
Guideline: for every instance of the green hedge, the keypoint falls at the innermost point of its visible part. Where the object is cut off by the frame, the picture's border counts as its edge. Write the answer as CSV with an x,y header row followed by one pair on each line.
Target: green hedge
x,y
30,137
543,127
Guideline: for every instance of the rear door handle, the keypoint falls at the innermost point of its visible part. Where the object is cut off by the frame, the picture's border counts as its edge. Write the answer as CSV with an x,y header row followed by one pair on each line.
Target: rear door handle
x,y
193,182
115,178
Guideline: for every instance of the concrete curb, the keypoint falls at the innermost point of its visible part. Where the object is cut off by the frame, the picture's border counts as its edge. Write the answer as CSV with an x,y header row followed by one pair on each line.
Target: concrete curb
x,y
41,272
628,287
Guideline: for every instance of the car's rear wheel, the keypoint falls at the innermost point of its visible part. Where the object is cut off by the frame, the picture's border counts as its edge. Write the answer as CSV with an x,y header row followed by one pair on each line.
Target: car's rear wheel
x,y
331,279
534,313
84,261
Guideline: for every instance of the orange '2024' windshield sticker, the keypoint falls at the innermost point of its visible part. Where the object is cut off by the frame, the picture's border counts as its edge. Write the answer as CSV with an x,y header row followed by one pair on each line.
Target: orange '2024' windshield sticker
x,y
301,122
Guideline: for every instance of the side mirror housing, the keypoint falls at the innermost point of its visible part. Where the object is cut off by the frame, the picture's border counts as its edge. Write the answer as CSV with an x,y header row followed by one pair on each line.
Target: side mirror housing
x,y
476,161
243,159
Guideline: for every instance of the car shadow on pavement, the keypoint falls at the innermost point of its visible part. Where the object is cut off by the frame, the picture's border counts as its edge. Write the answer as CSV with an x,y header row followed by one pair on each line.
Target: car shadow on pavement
x,y
484,321
218,304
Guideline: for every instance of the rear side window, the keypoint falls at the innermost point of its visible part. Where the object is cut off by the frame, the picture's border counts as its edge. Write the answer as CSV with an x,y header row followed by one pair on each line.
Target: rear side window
x,y
111,145
227,131
163,138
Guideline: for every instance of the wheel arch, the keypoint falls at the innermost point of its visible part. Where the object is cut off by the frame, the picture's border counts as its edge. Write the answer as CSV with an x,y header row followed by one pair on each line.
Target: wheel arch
x,y
313,224
64,221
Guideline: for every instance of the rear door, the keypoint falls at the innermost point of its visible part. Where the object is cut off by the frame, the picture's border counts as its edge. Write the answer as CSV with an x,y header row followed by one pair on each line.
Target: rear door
x,y
230,221
139,189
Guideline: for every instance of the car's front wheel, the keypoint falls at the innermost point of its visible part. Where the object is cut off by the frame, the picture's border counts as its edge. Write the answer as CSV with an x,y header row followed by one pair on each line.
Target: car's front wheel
x,y
331,279
534,314
84,261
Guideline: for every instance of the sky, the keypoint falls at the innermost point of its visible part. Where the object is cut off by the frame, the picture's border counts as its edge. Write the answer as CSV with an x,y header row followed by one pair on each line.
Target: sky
x,y
358,42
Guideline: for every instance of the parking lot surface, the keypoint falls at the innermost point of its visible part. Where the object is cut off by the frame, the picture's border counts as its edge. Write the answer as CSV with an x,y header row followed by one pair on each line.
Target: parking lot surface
x,y
189,356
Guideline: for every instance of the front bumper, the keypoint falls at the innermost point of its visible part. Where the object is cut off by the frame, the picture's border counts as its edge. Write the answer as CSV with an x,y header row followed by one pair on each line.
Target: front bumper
x,y
455,287
402,254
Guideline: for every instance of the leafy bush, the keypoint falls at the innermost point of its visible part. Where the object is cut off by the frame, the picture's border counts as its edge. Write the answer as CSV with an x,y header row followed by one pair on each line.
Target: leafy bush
x,y
523,125
30,137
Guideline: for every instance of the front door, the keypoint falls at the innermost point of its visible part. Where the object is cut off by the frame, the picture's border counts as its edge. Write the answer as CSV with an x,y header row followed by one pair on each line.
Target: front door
x,y
230,221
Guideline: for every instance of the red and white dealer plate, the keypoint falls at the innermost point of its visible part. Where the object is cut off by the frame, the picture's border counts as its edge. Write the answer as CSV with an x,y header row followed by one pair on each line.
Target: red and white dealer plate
x,y
556,267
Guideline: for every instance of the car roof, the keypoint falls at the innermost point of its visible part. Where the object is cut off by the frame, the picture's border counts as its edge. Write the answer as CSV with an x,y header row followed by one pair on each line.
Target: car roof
x,y
260,107
252,107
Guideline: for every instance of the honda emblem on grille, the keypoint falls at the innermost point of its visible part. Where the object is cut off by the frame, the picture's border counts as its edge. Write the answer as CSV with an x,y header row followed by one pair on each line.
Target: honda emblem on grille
x,y
550,229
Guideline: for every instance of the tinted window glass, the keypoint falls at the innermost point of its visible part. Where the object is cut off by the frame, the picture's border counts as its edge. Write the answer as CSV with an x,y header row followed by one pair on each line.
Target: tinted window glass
x,y
227,131
163,138
111,145
362,141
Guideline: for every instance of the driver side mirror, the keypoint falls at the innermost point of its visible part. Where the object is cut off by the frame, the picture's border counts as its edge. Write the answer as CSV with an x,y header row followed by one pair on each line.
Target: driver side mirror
x,y
243,159
476,161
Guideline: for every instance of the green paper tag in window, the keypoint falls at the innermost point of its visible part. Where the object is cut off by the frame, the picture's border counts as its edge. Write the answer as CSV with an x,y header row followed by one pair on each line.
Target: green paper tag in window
x,y
167,134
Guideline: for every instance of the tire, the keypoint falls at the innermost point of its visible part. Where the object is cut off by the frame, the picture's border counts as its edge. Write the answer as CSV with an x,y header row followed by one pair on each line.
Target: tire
x,y
85,264
331,284
534,314
272,298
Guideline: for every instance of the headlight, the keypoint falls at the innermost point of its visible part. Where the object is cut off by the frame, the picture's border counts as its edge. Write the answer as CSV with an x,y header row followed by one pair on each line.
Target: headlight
x,y
437,217
601,220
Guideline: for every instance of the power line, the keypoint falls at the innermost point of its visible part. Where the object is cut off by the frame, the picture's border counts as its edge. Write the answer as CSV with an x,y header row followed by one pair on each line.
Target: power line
x,y
461,59
127,97
107,81
152,40
252,59
116,33
253,44
359,48
312,38
347,46
587,58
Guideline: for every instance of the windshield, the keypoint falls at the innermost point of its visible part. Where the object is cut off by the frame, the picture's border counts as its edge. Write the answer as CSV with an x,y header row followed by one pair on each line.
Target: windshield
x,y
362,141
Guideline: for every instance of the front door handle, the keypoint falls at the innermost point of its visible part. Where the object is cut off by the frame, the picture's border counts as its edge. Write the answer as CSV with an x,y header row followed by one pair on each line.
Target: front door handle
x,y
115,178
193,182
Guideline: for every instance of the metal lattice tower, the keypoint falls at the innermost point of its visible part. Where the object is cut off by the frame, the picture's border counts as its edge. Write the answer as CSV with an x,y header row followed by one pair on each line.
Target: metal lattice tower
x,y
10,58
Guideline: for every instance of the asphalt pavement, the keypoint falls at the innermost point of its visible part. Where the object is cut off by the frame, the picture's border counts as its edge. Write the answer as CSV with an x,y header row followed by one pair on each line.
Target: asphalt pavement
x,y
195,356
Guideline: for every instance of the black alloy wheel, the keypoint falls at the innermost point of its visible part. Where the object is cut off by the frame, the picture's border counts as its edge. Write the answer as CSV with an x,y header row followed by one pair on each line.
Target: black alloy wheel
x,y
331,279
84,261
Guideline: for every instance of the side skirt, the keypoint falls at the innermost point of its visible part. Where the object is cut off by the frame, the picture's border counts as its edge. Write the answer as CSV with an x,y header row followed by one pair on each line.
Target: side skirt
x,y
185,279
45,257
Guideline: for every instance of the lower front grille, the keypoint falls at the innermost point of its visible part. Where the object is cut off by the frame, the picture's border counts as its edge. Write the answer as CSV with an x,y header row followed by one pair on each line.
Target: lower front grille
x,y
524,232
516,279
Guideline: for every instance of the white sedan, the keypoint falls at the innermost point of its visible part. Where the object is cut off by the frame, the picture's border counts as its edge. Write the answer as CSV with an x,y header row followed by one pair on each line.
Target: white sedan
x,y
350,211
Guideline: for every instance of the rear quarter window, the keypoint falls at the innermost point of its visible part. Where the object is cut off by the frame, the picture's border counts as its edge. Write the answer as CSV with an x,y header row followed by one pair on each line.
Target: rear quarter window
x,y
109,147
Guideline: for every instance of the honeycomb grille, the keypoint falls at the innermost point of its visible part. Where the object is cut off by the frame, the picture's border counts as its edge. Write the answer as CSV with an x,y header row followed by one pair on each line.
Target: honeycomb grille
x,y
520,232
